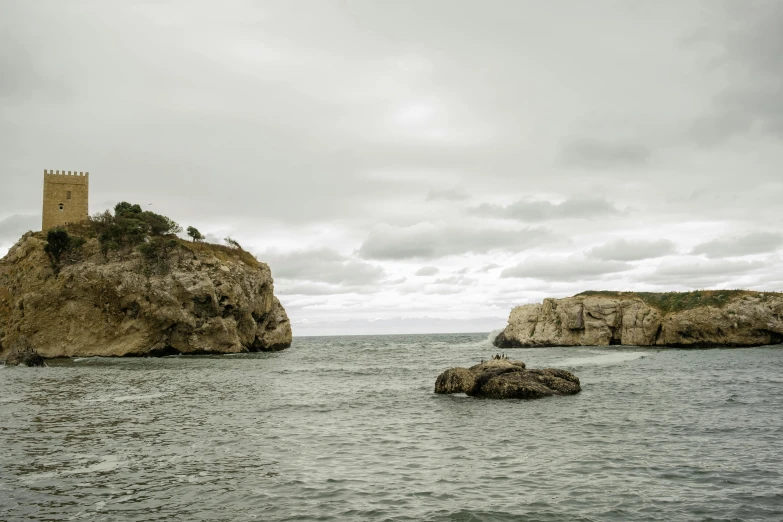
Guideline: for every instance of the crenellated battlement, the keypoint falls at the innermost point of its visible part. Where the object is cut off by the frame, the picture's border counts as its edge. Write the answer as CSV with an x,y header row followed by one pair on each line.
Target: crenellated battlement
x,y
66,176
64,173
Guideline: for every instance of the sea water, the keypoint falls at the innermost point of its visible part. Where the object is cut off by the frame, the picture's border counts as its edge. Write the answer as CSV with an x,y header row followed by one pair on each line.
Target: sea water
x,y
348,428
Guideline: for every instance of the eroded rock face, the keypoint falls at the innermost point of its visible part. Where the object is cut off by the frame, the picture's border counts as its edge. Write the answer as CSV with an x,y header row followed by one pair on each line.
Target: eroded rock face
x,y
206,301
504,379
744,319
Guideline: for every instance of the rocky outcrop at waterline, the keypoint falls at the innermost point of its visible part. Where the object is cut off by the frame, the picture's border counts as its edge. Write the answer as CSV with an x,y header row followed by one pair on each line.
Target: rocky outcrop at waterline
x,y
23,354
505,379
731,318
191,298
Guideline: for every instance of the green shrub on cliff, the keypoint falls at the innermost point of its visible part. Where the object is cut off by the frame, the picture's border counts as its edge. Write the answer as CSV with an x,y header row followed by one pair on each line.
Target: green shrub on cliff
x,y
159,225
146,221
233,243
194,234
58,242
130,226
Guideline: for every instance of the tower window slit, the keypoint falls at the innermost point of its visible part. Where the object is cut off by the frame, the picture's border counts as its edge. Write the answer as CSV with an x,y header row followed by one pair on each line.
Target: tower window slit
x,y
68,195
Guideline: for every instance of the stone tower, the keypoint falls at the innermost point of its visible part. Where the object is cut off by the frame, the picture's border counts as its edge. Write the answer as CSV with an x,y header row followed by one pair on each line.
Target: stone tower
x,y
65,198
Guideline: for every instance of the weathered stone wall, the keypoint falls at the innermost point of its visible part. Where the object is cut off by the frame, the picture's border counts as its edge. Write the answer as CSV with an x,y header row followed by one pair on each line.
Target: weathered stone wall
x,y
65,198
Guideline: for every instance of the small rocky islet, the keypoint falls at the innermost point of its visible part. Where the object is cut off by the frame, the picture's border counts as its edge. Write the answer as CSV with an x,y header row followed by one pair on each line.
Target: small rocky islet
x,y
502,378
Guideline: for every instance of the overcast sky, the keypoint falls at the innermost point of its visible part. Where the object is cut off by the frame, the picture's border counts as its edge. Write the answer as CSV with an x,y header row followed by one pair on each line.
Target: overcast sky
x,y
416,166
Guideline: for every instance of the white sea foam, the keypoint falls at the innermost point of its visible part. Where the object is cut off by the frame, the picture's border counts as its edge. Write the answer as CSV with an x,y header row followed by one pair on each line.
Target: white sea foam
x,y
130,398
481,343
146,397
491,337
603,359
107,463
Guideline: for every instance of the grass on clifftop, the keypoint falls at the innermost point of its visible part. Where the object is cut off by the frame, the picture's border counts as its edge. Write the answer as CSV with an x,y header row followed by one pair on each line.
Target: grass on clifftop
x,y
678,301
222,252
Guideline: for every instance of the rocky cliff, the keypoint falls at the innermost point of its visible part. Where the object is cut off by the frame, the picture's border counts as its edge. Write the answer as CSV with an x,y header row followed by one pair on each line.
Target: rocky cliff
x,y
194,298
690,319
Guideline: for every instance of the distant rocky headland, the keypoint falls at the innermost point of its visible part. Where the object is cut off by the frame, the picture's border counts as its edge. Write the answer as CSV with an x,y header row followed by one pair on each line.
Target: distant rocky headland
x,y
710,318
125,284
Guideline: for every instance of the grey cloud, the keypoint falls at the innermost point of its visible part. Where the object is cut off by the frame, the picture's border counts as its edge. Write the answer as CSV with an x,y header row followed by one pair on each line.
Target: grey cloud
x,y
303,302
751,60
753,243
601,154
625,250
308,288
700,274
429,241
446,195
13,227
456,279
427,271
718,267
569,269
321,265
487,268
712,129
546,210
740,111
444,290
273,104
204,116
446,286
